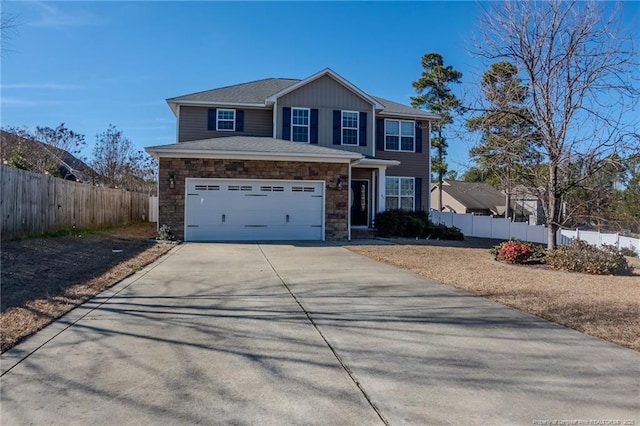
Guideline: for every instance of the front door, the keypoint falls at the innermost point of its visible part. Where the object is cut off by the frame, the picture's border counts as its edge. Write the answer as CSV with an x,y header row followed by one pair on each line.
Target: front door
x,y
359,203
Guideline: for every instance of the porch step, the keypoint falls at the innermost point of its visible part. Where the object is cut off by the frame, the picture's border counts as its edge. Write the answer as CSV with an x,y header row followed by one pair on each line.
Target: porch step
x,y
363,233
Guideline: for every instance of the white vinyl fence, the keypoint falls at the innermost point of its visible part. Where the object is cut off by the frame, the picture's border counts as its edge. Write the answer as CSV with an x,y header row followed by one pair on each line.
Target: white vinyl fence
x,y
153,208
503,229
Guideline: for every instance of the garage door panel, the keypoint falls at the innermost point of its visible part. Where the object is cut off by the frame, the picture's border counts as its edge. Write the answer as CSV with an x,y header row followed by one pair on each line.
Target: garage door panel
x,y
240,210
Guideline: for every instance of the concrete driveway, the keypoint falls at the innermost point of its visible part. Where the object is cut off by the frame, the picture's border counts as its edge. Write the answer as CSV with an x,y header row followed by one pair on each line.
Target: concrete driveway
x,y
308,334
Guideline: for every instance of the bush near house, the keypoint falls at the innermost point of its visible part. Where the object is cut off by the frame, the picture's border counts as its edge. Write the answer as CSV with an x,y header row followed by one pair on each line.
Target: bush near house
x,y
583,257
403,223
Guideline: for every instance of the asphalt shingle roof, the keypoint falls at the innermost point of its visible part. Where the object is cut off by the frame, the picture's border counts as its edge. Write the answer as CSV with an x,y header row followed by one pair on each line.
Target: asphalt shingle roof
x,y
256,92
475,195
391,107
254,144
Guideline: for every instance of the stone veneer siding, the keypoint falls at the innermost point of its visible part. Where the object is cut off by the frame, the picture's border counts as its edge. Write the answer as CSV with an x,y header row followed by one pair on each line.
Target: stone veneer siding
x,y
171,201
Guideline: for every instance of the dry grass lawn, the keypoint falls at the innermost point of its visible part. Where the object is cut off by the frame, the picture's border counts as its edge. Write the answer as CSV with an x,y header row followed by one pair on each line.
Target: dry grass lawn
x,y
44,278
607,307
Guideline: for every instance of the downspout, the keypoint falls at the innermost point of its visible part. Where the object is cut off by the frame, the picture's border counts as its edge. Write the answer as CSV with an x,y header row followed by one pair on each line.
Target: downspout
x,y
429,167
275,119
351,163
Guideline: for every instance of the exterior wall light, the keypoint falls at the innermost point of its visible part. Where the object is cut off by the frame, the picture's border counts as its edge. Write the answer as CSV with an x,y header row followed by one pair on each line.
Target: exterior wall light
x,y
339,184
172,181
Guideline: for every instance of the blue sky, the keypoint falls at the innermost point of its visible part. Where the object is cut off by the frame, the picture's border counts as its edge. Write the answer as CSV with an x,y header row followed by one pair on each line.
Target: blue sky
x,y
89,64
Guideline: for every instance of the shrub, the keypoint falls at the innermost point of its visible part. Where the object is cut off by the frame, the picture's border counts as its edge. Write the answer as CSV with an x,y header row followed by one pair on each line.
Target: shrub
x,y
449,233
628,251
414,227
402,223
165,233
507,251
583,257
387,223
514,252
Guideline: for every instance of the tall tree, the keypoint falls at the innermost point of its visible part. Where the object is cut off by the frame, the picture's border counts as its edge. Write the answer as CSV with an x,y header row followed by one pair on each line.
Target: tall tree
x,y
434,93
509,138
576,63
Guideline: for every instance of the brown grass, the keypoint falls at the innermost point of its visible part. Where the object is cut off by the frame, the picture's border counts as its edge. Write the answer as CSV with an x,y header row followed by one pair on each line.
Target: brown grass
x,y
607,307
44,278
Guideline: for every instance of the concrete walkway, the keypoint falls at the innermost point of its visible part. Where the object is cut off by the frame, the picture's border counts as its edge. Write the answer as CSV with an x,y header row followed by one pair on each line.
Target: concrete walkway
x,y
307,334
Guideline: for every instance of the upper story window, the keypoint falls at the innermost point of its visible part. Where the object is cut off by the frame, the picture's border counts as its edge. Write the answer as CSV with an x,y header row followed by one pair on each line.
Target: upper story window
x,y
399,135
226,119
350,128
300,124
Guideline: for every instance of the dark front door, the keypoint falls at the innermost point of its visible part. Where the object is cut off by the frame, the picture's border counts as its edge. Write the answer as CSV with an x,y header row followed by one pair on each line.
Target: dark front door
x,y
359,203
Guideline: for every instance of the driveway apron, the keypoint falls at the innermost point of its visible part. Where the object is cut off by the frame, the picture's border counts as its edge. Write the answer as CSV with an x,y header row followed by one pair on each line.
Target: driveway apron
x,y
307,333
208,335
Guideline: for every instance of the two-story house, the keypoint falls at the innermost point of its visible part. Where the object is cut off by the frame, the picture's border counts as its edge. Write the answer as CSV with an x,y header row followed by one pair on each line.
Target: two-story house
x,y
286,159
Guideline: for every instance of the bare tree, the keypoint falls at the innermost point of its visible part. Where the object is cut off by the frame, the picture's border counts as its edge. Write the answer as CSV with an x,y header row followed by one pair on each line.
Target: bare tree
x,y
578,65
8,27
120,165
45,150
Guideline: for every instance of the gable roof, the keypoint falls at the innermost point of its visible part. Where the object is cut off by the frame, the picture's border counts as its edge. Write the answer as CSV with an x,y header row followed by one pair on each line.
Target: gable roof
x,y
260,93
474,195
252,146
332,74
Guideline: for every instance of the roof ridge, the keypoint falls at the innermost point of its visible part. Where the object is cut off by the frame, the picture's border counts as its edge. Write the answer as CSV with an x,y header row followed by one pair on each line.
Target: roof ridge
x,y
233,85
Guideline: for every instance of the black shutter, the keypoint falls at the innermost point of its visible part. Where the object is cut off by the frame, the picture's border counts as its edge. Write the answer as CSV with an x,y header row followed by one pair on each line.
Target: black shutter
x,y
337,127
286,123
211,119
363,129
418,136
313,130
380,134
417,190
239,120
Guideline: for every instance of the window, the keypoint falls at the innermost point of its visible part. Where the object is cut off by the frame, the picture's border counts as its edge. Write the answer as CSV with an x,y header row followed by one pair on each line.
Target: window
x,y
349,128
226,119
399,135
300,124
400,193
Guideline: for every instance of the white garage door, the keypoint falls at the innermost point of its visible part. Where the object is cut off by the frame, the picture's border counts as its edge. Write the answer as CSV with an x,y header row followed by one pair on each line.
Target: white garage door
x,y
242,210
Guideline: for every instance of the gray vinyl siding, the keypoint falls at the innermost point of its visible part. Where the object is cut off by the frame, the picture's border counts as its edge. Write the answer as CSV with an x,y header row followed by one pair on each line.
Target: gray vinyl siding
x,y
193,124
412,164
326,95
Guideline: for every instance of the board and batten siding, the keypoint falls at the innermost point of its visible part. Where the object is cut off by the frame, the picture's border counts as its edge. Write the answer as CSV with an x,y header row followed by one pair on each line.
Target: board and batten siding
x,y
326,95
194,119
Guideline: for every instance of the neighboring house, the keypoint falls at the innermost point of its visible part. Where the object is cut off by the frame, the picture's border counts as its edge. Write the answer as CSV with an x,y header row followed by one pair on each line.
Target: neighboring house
x,y
279,159
469,197
40,157
527,203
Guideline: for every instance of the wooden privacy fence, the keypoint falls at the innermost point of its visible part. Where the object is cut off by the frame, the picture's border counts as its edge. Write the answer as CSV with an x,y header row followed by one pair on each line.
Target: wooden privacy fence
x,y
32,203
